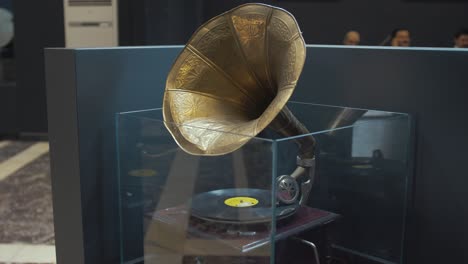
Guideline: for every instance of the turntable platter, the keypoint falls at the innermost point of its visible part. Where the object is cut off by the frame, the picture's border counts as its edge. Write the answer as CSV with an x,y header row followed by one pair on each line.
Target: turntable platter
x,y
238,206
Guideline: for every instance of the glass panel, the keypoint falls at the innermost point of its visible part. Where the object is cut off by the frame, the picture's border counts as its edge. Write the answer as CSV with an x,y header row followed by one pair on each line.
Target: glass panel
x,y
183,208
364,174
363,170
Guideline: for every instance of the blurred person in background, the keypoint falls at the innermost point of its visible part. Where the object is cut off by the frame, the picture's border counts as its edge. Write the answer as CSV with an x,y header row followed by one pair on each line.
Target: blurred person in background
x,y
461,38
400,38
352,38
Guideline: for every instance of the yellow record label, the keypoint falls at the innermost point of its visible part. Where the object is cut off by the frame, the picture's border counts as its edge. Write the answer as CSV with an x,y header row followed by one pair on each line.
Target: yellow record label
x,y
241,202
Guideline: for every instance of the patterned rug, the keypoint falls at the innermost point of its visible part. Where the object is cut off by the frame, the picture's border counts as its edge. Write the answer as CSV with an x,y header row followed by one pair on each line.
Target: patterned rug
x,y
26,214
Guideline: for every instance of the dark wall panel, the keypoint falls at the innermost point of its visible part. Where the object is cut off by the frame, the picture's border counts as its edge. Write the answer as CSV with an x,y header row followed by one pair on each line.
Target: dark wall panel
x,y
172,21
162,22
8,119
132,22
38,24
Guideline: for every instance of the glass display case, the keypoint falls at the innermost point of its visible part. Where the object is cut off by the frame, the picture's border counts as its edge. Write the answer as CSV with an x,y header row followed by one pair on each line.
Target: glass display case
x,y
181,208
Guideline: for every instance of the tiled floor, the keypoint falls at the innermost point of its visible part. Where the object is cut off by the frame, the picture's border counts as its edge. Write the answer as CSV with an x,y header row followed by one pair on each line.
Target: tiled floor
x,y
26,218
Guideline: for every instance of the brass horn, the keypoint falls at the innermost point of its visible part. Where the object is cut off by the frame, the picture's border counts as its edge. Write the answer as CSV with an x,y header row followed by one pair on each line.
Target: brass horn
x,y
233,79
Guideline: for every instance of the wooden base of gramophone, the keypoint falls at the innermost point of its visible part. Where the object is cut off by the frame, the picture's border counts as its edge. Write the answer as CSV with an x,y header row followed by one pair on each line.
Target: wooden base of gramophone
x,y
172,235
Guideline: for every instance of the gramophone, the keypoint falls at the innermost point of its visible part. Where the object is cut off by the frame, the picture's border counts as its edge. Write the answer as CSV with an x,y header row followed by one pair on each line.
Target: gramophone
x,y
231,81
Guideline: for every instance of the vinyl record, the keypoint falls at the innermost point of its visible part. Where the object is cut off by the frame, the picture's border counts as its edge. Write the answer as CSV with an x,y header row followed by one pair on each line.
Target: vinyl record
x,y
238,206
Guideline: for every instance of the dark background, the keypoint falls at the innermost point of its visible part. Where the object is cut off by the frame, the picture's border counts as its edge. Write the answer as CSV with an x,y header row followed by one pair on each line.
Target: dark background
x,y
432,23
438,218
325,22
39,24
5,4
